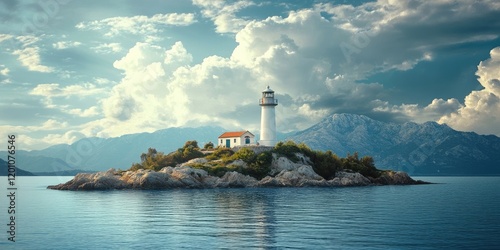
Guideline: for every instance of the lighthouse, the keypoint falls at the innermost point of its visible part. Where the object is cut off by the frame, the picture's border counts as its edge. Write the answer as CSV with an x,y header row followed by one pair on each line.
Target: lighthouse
x,y
268,118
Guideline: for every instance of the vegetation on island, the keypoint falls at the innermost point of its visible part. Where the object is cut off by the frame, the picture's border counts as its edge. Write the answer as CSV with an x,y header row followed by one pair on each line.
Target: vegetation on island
x,y
221,160
155,160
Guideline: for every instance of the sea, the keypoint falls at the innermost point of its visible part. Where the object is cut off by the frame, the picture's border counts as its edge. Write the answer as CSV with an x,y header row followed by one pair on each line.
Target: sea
x,y
453,213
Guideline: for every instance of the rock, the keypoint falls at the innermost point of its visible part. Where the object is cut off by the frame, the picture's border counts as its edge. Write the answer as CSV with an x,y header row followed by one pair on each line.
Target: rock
x,y
299,177
93,181
158,180
395,178
133,178
349,179
282,163
193,177
269,181
194,161
290,175
235,179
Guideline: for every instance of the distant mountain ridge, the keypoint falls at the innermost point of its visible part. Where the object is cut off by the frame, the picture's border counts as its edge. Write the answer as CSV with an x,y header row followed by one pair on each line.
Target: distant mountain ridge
x,y
97,154
419,149
19,172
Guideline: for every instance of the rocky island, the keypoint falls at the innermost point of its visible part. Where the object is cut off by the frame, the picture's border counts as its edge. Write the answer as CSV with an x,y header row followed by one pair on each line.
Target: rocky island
x,y
285,165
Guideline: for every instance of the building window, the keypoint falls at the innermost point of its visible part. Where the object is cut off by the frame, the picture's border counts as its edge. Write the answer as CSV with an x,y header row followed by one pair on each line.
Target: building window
x,y
234,140
247,139
220,141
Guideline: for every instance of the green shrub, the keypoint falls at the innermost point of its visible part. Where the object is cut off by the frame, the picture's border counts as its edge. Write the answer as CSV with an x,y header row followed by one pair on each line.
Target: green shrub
x,y
155,160
260,166
220,153
325,164
364,166
208,145
287,149
245,154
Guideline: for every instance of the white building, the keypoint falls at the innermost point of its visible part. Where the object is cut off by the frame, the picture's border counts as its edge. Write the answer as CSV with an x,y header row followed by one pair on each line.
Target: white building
x,y
268,118
238,138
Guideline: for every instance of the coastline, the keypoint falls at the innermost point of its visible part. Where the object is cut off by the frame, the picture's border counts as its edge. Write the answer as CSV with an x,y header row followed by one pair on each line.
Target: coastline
x,y
188,177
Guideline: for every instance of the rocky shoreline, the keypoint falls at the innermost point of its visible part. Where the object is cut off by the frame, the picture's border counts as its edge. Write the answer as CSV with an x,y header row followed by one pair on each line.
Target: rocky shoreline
x,y
284,174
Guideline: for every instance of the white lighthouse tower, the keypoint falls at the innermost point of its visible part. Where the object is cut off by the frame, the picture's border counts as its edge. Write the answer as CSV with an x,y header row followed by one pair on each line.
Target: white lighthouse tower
x,y
268,118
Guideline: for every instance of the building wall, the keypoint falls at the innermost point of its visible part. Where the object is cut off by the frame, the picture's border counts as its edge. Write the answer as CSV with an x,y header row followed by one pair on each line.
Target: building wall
x,y
268,126
236,141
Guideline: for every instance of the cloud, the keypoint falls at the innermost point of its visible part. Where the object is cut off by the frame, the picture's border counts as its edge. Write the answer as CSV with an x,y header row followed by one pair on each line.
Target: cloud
x,y
481,109
23,132
223,14
52,124
398,35
4,71
5,37
89,112
139,25
107,48
29,141
440,107
102,81
27,40
65,44
319,60
161,88
55,90
300,56
141,94
30,58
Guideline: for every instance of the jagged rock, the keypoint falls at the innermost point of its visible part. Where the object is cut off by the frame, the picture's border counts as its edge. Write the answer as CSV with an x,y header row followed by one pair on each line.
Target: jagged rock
x,y
158,180
167,170
291,175
132,178
194,161
282,163
349,179
235,179
269,181
190,177
395,178
299,177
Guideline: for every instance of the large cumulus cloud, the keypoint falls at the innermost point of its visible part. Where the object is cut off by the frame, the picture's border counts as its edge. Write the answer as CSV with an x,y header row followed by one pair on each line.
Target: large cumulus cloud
x,y
316,59
481,109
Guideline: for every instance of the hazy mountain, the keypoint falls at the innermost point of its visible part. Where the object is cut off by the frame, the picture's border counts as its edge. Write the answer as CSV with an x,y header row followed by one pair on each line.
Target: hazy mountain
x,y
120,152
95,154
40,163
419,149
19,172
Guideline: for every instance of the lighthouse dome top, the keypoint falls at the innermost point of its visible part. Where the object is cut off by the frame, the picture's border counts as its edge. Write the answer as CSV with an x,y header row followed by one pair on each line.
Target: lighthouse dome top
x,y
268,90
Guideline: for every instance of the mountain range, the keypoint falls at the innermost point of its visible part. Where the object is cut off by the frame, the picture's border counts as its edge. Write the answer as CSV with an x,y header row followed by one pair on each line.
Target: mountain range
x,y
419,149
4,170
97,154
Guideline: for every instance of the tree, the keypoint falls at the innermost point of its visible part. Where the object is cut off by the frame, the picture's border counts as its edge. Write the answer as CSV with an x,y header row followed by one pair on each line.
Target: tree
x,y
193,143
208,145
245,154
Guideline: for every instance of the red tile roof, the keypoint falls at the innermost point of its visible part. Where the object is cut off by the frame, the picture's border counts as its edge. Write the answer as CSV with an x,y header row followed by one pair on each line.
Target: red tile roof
x,y
233,134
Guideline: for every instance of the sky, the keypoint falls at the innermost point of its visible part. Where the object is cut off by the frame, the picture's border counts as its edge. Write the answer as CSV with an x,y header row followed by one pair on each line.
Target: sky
x,y
73,69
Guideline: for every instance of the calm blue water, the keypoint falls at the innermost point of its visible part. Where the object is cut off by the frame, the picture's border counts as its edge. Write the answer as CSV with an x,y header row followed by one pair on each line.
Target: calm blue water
x,y
461,213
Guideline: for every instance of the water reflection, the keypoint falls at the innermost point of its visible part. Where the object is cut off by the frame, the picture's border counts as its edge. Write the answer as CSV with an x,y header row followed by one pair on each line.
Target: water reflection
x,y
214,217
246,215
